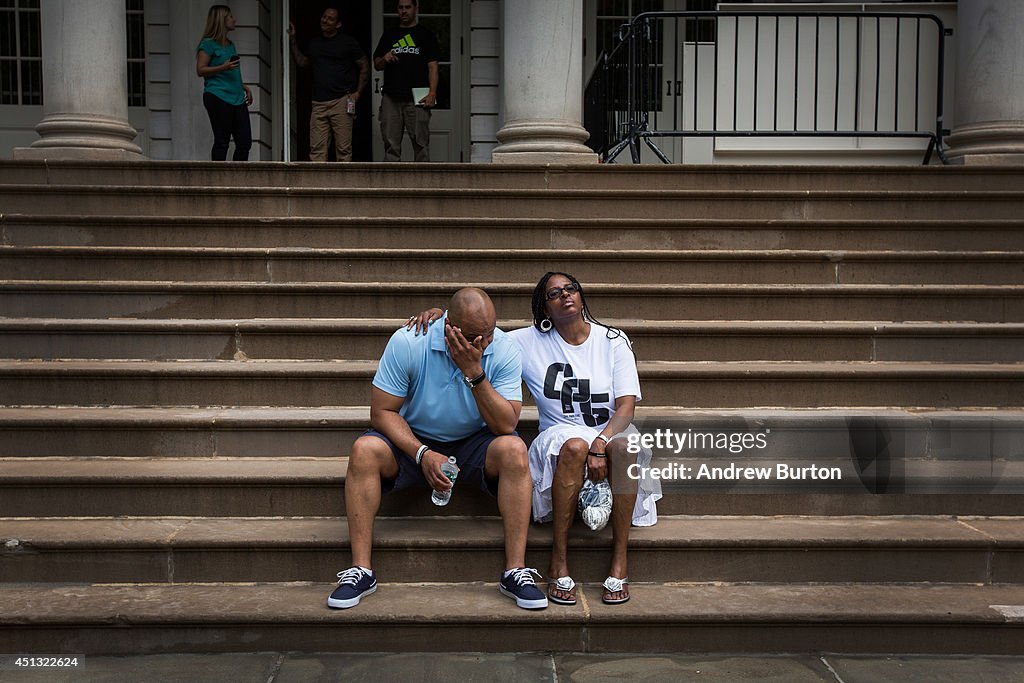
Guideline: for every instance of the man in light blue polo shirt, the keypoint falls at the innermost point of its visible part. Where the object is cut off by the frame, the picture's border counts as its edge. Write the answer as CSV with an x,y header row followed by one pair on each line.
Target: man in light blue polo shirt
x,y
454,391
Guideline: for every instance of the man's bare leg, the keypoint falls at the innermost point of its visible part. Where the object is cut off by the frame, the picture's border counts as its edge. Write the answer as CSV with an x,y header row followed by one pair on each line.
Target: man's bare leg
x,y
507,461
371,460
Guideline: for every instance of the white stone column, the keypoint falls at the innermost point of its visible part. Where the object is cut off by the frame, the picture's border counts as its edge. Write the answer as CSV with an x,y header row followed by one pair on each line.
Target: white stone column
x,y
543,84
989,83
85,83
191,135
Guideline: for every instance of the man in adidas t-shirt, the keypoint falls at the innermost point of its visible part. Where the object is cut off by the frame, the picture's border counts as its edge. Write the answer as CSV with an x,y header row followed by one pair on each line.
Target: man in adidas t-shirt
x,y
408,56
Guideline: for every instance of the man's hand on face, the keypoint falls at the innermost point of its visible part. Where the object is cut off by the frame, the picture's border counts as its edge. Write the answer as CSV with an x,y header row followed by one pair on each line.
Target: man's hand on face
x,y
431,466
466,354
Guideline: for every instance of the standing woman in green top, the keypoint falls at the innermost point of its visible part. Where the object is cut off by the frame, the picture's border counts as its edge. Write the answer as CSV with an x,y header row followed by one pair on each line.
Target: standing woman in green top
x,y
225,97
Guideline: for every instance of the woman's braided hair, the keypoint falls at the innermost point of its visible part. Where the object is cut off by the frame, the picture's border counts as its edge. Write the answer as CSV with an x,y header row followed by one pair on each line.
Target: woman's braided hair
x,y
540,299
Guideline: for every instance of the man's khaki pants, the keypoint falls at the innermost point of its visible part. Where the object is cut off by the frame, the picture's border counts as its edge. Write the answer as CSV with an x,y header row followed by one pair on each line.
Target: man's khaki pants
x,y
327,117
397,117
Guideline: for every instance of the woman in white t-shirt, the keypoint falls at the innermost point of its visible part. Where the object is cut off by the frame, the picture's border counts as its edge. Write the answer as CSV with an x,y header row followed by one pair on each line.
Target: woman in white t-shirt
x,y
583,377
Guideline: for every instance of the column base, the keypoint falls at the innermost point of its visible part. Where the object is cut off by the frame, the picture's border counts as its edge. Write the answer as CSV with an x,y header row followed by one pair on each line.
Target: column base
x,y
82,136
992,143
534,158
543,141
76,154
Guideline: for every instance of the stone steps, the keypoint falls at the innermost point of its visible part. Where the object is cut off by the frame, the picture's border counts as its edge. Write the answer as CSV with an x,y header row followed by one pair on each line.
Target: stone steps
x,y
357,175
671,340
362,265
290,431
668,617
162,200
880,310
166,299
865,550
740,384
269,486
96,486
70,461
185,432
513,232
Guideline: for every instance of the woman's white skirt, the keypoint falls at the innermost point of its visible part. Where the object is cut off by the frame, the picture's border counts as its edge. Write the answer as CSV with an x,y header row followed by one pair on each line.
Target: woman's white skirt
x,y
544,459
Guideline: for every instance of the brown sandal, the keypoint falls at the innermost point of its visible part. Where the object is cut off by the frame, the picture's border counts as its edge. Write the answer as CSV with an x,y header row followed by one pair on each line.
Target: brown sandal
x,y
562,591
613,587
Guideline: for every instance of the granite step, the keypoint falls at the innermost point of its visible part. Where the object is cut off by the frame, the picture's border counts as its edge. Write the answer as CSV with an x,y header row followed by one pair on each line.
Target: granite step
x,y
732,203
669,617
658,266
665,383
552,177
97,486
672,340
866,550
236,431
519,232
256,432
203,300
964,479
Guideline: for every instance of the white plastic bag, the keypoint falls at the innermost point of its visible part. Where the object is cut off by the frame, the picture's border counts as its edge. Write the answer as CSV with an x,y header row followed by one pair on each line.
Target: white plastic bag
x,y
595,504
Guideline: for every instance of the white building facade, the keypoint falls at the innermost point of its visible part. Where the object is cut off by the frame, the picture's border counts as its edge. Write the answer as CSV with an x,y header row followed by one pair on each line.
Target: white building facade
x,y
116,79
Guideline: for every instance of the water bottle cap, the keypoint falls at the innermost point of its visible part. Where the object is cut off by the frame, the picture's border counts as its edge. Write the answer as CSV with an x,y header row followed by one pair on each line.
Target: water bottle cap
x,y
451,459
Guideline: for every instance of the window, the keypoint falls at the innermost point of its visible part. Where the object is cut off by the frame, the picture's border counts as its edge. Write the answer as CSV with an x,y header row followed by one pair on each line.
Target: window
x,y
21,54
21,63
136,35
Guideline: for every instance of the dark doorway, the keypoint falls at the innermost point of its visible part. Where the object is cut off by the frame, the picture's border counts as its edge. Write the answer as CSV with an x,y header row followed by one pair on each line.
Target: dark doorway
x,y
355,21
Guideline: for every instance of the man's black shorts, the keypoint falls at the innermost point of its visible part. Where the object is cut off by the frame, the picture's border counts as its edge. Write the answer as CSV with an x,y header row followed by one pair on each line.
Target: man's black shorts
x,y
470,455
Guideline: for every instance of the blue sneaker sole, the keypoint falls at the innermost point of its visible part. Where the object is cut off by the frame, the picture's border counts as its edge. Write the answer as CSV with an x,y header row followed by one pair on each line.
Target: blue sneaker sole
x,y
351,602
525,604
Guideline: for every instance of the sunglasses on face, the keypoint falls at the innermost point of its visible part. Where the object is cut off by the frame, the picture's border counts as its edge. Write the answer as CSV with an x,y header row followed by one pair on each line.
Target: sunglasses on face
x,y
556,292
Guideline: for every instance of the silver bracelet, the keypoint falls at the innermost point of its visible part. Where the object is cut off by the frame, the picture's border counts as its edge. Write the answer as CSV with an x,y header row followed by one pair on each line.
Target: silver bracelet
x,y
419,453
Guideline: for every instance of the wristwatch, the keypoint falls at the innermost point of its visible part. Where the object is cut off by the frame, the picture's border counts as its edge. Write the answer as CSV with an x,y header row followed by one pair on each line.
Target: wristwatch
x,y
472,382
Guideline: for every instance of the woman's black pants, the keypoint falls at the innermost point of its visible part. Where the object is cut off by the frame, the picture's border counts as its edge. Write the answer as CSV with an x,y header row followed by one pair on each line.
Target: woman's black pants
x,y
228,120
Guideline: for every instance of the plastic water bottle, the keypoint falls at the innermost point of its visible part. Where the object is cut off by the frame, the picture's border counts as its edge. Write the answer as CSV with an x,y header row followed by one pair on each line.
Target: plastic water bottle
x,y
450,470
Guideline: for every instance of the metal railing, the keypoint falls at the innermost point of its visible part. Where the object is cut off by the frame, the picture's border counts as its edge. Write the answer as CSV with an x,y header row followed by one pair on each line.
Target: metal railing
x,y
739,74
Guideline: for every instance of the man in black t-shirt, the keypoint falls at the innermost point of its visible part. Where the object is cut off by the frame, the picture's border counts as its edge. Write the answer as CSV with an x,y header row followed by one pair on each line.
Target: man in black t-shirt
x,y
408,56
340,72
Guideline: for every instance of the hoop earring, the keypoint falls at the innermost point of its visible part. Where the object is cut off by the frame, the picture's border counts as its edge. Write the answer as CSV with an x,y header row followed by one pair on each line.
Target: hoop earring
x,y
546,325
